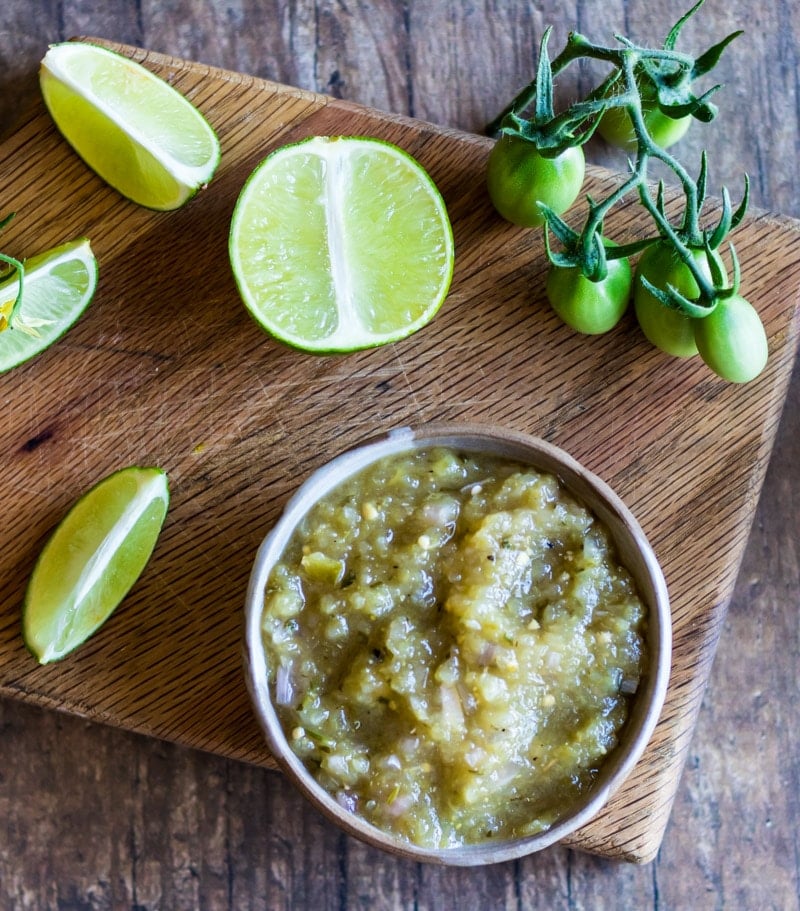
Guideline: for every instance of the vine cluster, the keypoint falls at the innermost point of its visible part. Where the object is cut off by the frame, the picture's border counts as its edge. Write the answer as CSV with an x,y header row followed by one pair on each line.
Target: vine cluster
x,y
647,90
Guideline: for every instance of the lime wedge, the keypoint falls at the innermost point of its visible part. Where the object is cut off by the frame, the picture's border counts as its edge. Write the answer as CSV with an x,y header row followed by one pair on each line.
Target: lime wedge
x,y
341,243
92,559
56,288
136,131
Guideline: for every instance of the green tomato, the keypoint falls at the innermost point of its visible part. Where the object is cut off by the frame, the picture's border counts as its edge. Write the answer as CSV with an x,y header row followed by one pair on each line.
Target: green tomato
x,y
667,329
587,306
518,177
732,340
616,127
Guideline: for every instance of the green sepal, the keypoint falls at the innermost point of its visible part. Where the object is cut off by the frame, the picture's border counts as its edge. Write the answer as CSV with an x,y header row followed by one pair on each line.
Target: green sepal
x,y
552,135
565,260
724,224
702,180
622,251
594,208
675,31
718,276
543,108
572,128
595,264
565,235
672,74
671,298
741,209
707,61
591,258
729,219
677,102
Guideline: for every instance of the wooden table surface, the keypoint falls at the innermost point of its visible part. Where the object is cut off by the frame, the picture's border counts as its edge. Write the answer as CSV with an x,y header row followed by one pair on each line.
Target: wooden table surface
x,y
97,818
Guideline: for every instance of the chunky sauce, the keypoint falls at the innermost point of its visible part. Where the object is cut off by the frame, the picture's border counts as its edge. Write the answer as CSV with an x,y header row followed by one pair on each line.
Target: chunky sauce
x,y
452,646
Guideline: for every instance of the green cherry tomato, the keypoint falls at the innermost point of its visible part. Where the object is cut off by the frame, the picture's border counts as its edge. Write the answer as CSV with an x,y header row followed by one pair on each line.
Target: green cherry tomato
x,y
616,128
732,340
587,306
667,329
518,177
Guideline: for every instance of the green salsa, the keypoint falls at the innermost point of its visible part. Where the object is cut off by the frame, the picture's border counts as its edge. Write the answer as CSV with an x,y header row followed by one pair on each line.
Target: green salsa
x,y
452,646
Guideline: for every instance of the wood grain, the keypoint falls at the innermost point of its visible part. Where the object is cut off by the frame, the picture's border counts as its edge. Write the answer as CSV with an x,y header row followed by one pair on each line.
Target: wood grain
x,y
167,368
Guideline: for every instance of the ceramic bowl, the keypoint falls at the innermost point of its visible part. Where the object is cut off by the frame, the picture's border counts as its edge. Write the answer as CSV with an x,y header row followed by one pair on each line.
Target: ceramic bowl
x,y
633,551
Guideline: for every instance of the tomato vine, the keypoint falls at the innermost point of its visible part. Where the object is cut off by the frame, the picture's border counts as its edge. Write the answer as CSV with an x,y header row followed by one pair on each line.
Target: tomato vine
x,y
642,80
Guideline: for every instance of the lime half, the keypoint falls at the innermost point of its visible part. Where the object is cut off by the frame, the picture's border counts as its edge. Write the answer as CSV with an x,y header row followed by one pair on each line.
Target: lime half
x,y
339,244
56,288
135,130
92,559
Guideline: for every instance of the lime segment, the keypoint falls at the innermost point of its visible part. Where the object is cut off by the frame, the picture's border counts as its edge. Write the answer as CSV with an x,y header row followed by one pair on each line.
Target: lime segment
x,y
341,243
133,129
57,287
92,559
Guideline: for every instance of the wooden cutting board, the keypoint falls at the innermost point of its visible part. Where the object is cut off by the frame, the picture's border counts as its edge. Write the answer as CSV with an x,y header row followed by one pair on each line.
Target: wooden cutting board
x,y
167,368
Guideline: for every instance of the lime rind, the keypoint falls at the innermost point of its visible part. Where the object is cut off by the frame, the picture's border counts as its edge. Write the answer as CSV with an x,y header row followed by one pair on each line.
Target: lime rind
x,y
58,285
340,244
92,560
135,130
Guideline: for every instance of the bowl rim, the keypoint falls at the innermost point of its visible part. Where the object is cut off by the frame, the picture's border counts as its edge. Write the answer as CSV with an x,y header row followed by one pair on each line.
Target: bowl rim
x,y
594,493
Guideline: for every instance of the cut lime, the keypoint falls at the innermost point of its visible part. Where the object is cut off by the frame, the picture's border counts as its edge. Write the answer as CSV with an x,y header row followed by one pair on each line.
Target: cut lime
x,y
339,244
92,559
135,130
56,288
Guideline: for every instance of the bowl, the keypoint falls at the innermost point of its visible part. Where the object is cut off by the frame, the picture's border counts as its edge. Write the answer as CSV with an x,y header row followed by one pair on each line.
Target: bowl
x,y
633,551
